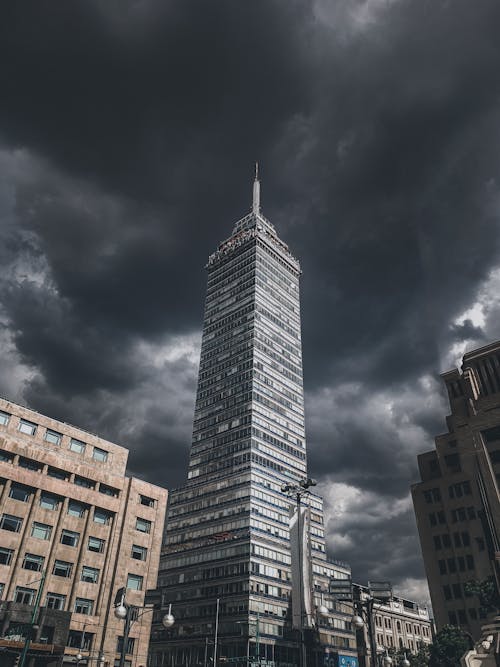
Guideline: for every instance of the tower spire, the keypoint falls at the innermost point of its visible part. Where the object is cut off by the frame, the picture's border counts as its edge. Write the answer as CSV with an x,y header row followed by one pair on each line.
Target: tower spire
x,y
256,191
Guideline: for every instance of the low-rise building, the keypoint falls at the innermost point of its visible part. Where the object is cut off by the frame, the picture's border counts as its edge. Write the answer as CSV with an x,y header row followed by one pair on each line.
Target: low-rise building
x,y
73,524
397,623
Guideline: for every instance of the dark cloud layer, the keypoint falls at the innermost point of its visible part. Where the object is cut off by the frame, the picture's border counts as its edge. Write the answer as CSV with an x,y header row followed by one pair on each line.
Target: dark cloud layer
x,y
127,137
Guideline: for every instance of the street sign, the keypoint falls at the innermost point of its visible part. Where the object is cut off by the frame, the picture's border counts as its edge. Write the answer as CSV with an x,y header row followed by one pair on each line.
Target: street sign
x,y
382,590
340,589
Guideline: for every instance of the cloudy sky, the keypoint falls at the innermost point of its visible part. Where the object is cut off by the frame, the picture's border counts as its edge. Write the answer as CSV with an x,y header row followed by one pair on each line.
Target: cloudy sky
x,y
128,133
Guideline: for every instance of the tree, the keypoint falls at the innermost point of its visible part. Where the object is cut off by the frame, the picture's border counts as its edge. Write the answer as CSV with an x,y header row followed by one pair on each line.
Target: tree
x,y
487,592
448,647
420,659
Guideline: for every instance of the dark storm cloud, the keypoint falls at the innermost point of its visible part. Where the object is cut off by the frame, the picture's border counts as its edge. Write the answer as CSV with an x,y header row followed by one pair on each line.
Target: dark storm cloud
x,y
128,131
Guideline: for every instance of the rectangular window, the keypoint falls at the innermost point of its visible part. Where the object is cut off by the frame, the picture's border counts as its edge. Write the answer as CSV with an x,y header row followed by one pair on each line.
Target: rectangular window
x,y
27,427
55,601
447,592
457,591
62,568
85,482
452,566
456,539
49,502
70,538
465,539
452,618
33,562
432,519
4,418
108,490
19,492
95,544
461,616
145,500
5,456
442,566
6,556
41,530
139,553
84,606
29,464
80,640
12,523
134,582
53,437
461,563
90,574
102,516
129,647
76,509
437,542
24,595
143,525
446,541
470,562
100,454
77,446
57,473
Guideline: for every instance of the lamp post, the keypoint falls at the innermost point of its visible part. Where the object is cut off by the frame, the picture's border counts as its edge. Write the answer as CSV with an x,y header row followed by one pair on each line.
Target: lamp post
x,y
34,615
124,611
298,490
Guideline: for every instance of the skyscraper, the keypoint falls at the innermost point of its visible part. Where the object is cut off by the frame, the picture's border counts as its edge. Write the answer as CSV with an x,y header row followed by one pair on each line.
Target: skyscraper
x,y
226,565
457,502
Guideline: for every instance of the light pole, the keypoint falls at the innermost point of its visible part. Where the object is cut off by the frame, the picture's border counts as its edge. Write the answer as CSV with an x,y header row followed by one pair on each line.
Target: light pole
x,y
298,490
34,615
124,611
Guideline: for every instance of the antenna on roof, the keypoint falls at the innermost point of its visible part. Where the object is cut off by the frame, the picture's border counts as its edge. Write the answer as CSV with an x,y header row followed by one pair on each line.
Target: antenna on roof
x,y
256,191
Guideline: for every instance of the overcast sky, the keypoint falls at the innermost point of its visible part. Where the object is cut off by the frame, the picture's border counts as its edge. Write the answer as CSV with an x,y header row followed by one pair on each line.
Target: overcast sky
x,y
128,133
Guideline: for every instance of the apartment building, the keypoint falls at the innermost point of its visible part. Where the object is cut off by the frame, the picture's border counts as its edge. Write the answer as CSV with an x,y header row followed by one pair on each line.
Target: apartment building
x,y
74,529
457,500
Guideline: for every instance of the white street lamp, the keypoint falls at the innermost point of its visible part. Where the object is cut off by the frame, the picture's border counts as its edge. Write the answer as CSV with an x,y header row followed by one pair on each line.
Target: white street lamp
x,y
357,621
121,611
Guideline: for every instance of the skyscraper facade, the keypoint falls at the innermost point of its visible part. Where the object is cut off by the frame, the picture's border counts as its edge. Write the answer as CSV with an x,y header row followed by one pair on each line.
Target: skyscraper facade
x,y
226,565
457,503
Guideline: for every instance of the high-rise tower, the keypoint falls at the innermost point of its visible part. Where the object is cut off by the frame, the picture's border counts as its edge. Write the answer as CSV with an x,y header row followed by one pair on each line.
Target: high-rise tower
x,y
226,566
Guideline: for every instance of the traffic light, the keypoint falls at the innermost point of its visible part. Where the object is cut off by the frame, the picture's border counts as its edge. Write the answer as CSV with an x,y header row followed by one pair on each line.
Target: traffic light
x,y
17,660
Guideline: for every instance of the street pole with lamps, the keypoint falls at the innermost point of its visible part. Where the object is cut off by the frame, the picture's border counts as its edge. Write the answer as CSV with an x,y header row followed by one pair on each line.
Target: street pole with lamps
x,y
34,615
124,611
298,490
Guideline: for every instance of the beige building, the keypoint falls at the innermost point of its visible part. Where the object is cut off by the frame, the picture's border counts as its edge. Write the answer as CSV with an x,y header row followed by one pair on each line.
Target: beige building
x,y
457,502
397,623
70,516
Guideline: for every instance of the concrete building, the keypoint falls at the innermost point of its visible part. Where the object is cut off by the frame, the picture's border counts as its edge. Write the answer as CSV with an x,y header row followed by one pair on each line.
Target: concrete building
x,y
73,523
227,566
457,502
397,623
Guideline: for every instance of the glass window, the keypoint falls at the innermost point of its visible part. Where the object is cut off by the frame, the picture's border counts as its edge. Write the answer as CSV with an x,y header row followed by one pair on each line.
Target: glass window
x,y
2,587
145,500
134,581
19,492
49,502
139,553
62,568
83,481
96,544
24,595
29,464
6,556
100,454
79,640
76,509
55,601
27,427
33,562
102,516
12,523
90,574
57,473
41,530
8,457
108,490
83,606
77,446
4,418
129,650
53,437
70,538
143,525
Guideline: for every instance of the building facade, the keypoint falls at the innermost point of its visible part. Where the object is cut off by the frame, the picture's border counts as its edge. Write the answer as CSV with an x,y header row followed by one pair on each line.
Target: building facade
x,y
226,565
73,530
397,623
457,501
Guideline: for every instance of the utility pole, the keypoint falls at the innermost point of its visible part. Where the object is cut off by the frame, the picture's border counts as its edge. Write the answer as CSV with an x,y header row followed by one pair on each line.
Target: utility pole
x,y
34,616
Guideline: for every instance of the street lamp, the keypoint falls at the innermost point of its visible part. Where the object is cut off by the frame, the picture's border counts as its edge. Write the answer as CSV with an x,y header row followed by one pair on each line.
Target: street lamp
x,y
124,611
298,490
